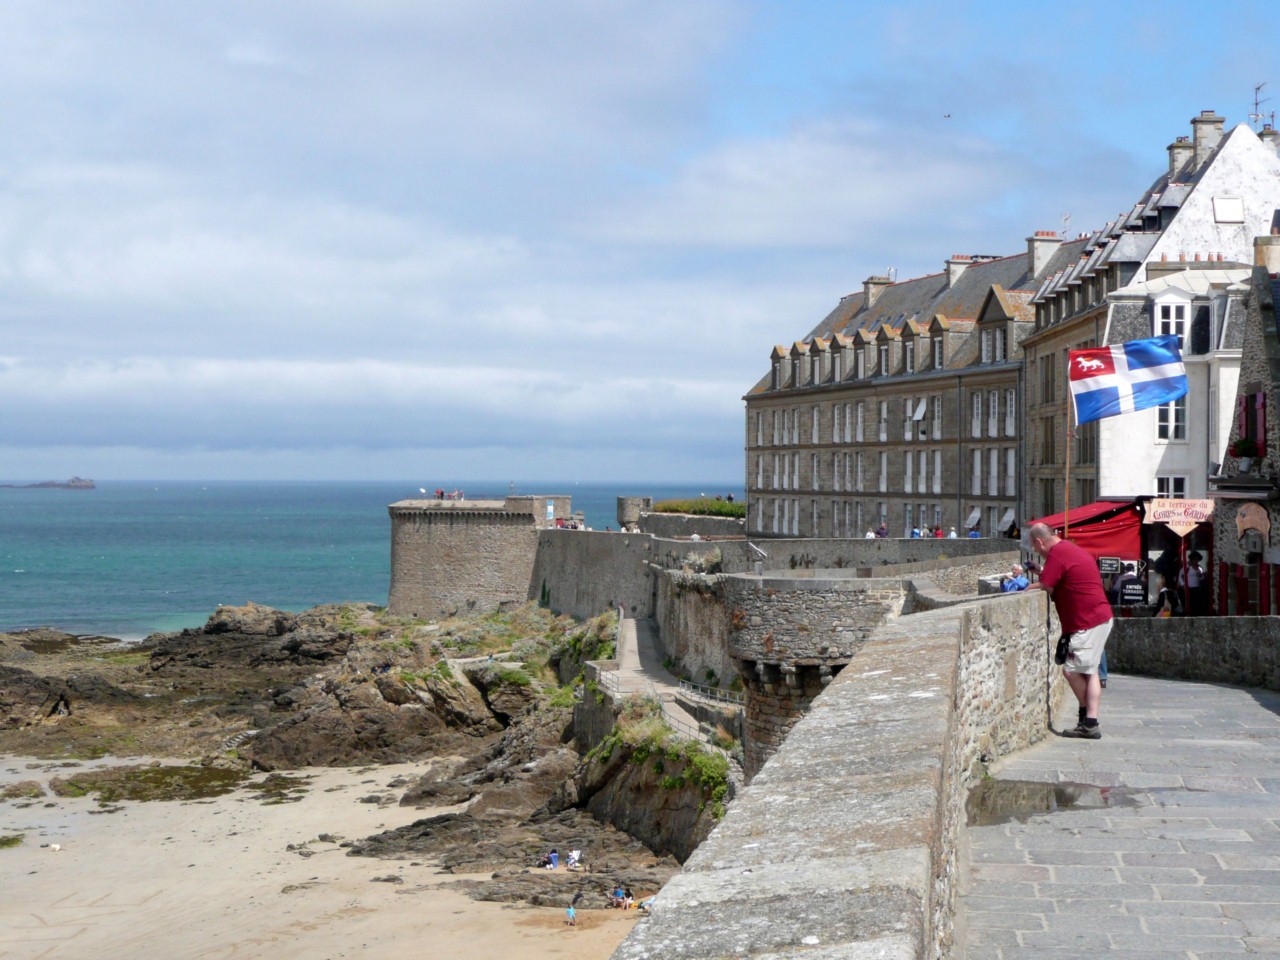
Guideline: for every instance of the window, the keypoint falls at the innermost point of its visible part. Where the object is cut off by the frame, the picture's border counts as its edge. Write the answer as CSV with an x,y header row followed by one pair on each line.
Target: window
x,y
858,434
759,472
1171,420
848,425
908,424
858,513
813,518
975,484
993,413
937,471
775,428
775,473
1011,472
795,471
1171,487
795,518
1047,452
837,372
986,346
835,471
993,472
813,433
1048,379
907,462
1010,412
936,404
920,475
860,363
1172,318
1251,420
835,423
815,369
775,516
937,353
884,470
884,359
861,475
1087,443
909,356
759,428
975,417
814,472
848,467
835,518
884,420
1001,347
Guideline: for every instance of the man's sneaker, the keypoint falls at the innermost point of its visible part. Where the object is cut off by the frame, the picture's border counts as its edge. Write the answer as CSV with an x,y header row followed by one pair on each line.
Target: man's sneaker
x,y
1082,732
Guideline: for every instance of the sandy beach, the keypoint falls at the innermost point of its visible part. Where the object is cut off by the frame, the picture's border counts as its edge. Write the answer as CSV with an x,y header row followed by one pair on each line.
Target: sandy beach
x,y
214,879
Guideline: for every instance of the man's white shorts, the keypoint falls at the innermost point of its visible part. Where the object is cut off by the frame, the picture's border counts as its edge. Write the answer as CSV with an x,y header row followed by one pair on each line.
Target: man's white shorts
x,y
1086,648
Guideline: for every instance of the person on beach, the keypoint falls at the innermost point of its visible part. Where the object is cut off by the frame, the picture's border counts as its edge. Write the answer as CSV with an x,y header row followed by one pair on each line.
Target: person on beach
x,y
1071,577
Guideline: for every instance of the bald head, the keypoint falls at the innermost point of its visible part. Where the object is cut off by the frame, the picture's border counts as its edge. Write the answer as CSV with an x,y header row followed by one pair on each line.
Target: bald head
x,y
1042,538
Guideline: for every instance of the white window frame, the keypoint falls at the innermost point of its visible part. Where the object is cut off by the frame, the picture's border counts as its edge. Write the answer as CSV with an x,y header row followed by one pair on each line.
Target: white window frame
x,y
884,421
937,416
1010,412
975,413
993,413
938,359
884,471
861,418
1171,421
908,462
1171,486
835,423
1171,313
993,472
816,469
975,484
908,356
814,433
937,471
922,472
861,472
883,351
1011,472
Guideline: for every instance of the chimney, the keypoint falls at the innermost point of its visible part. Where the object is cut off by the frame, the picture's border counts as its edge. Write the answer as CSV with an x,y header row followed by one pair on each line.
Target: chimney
x,y
1206,131
1266,253
1270,137
1180,153
1040,249
872,287
955,267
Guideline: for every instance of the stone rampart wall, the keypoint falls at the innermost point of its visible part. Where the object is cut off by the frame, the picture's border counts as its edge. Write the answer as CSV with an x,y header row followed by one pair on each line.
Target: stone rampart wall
x,y
584,573
451,561
693,624
1238,650
686,525
844,845
829,555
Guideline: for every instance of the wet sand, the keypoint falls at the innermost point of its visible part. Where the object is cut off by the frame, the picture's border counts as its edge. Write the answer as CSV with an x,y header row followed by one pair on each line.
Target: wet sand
x,y
213,879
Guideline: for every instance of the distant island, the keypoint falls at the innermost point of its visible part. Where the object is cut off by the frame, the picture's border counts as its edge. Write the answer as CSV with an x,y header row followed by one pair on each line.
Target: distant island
x,y
75,483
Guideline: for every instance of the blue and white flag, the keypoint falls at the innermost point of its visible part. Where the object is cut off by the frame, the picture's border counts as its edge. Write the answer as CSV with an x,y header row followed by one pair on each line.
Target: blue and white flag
x,y
1109,381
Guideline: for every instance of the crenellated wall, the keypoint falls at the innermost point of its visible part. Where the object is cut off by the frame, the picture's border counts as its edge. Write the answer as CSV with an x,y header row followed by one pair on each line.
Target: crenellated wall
x,y
845,843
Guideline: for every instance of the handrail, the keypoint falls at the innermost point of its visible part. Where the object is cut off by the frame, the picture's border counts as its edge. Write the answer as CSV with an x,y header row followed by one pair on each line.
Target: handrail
x,y
712,693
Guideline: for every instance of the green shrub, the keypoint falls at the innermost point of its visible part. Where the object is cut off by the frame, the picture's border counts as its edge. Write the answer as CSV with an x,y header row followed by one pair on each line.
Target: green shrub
x,y
702,507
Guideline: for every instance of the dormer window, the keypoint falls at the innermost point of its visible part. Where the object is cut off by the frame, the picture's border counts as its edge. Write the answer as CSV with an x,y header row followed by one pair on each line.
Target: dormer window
x,y
937,353
986,345
860,363
884,359
909,356
1170,317
776,381
836,372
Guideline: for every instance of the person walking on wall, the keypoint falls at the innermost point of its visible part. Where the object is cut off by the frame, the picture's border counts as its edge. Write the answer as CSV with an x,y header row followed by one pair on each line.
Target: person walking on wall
x,y
1070,575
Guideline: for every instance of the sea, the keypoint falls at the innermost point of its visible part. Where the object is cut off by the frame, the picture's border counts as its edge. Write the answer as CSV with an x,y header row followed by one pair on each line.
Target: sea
x,y
132,558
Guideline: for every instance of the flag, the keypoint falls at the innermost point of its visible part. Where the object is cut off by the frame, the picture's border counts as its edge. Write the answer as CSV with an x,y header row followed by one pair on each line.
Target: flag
x,y
1109,381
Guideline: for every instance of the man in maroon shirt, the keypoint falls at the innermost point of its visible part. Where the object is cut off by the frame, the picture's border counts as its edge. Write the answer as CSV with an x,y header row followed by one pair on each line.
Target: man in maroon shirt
x,y
1071,577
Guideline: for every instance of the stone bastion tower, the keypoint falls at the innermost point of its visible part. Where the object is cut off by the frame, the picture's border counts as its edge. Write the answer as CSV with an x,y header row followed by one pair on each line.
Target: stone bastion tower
x,y
459,556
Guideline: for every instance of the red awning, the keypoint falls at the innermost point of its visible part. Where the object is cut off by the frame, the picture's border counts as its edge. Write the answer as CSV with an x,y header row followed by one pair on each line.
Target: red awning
x,y
1106,528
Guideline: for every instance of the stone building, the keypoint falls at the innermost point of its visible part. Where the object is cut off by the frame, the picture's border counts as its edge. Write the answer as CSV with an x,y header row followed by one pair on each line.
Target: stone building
x,y
1247,489
902,406
1177,262
462,556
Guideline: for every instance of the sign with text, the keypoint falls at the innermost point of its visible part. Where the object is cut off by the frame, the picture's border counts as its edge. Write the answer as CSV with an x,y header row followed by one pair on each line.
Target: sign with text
x,y
1180,516
1108,565
1133,591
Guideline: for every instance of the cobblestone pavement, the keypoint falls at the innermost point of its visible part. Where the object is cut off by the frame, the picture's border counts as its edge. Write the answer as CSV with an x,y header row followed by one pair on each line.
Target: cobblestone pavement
x,y
1177,857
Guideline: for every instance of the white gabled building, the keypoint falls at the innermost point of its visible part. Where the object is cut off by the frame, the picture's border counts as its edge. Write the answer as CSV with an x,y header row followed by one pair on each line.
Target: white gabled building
x,y
1178,262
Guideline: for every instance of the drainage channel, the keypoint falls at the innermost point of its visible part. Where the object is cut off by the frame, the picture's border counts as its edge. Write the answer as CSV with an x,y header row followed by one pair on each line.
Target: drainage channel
x,y
1000,801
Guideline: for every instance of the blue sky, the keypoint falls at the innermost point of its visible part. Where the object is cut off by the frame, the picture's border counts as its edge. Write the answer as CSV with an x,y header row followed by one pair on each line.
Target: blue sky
x,y
357,239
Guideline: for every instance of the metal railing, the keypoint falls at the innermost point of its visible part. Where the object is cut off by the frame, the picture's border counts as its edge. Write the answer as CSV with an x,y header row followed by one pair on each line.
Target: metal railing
x,y
712,693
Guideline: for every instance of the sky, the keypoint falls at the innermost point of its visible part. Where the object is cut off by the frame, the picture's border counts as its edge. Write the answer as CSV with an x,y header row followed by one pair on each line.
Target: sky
x,y
437,241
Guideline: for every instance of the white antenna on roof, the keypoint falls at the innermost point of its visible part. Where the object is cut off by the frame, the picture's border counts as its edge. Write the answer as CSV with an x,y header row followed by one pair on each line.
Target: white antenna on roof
x,y
1066,221
1258,116
892,273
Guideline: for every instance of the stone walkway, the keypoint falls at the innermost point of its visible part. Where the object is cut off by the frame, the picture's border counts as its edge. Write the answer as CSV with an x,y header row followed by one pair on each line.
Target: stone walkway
x,y
640,670
1184,862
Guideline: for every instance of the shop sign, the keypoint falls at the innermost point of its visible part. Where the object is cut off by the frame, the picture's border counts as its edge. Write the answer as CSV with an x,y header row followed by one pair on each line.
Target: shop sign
x,y
1108,565
1180,516
1253,516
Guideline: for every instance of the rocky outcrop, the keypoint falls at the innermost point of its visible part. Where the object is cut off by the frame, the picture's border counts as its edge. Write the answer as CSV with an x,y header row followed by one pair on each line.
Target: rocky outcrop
x,y
652,797
27,698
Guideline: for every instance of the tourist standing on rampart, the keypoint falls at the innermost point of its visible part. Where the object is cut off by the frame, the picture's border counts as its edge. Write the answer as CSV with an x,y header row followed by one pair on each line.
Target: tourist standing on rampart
x,y
1071,577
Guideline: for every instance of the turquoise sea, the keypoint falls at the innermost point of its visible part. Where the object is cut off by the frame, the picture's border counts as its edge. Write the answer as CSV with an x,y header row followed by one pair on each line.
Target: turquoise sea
x,y
133,557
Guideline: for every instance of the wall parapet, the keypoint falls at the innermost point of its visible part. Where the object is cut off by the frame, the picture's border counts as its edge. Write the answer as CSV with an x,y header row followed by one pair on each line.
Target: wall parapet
x,y
845,842
1235,650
